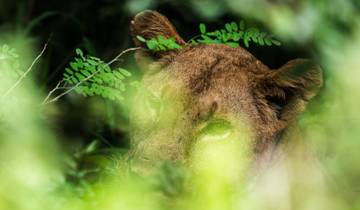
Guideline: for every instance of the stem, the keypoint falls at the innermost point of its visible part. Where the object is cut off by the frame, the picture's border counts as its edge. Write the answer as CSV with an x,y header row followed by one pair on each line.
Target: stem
x,y
26,72
122,53
71,89
194,38
52,91
46,100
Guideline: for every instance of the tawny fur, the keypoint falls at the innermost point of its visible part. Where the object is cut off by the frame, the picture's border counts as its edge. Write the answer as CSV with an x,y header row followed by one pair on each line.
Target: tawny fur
x,y
231,80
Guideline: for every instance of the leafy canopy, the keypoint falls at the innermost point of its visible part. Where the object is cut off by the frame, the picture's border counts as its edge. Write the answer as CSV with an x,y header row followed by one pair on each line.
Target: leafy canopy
x,y
95,77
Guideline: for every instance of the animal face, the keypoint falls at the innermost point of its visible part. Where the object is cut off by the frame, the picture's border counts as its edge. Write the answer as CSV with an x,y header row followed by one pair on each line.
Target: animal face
x,y
211,93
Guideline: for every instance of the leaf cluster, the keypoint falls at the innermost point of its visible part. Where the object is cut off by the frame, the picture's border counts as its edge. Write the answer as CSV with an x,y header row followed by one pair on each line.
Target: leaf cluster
x,y
160,43
9,62
230,35
92,76
233,33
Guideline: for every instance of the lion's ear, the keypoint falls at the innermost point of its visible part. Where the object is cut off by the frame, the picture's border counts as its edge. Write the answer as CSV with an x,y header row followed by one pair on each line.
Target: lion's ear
x,y
151,24
290,88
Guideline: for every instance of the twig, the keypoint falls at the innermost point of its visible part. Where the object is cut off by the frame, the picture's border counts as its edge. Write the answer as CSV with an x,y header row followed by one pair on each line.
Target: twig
x,y
84,80
122,53
68,91
26,72
52,91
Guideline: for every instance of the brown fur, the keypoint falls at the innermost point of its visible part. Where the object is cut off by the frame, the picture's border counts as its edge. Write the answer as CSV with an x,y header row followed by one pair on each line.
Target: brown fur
x,y
221,79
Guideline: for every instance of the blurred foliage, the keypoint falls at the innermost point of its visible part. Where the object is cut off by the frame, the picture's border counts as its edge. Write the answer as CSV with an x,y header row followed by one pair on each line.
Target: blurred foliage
x,y
49,159
9,60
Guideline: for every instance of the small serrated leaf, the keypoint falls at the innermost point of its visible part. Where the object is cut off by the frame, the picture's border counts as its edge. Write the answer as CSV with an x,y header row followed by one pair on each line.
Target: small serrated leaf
x,y
236,37
276,42
69,71
228,27
234,26
92,62
125,72
246,40
80,76
79,52
74,66
152,44
242,25
141,39
268,41
261,41
73,80
232,44
202,28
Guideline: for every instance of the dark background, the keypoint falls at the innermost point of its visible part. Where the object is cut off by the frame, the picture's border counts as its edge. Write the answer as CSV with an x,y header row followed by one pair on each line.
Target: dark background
x,y
101,28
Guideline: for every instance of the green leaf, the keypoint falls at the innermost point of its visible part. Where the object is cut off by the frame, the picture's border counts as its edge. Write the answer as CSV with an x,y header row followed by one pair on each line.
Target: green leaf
x,y
94,145
141,39
276,42
232,44
162,48
66,76
225,37
268,41
94,58
91,62
91,69
236,37
69,71
125,72
118,75
86,73
246,40
202,28
74,80
242,25
152,44
74,65
80,76
254,38
228,27
261,41
79,52
234,26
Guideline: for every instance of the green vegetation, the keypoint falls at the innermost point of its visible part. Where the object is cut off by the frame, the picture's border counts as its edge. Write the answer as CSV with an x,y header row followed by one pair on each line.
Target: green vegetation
x,y
62,156
93,76
160,43
10,59
231,35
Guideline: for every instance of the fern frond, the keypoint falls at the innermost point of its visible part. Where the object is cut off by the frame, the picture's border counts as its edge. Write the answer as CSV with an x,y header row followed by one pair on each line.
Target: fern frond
x,y
95,77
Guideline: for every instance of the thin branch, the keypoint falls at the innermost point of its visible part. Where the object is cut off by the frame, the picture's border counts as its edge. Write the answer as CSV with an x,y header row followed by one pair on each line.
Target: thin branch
x,y
52,91
84,80
26,72
71,89
190,40
122,53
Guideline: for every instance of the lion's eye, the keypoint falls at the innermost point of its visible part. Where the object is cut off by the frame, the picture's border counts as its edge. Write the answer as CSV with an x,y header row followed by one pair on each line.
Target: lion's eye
x,y
215,130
